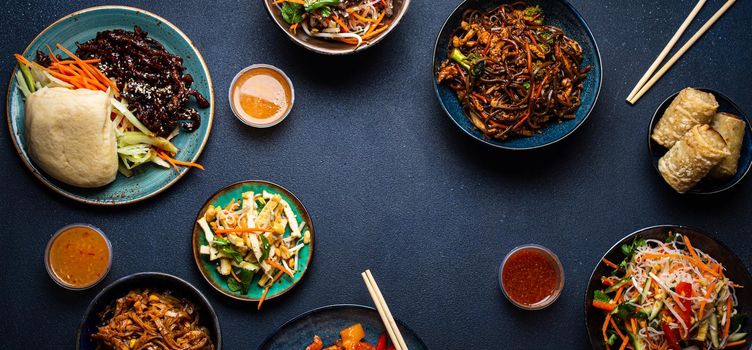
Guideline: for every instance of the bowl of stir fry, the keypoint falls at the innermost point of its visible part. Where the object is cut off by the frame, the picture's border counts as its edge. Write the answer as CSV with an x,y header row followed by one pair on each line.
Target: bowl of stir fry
x,y
149,310
668,287
516,75
336,27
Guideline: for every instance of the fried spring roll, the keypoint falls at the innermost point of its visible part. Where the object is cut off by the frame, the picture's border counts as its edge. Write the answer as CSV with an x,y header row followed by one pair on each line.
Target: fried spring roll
x,y
732,130
685,164
691,107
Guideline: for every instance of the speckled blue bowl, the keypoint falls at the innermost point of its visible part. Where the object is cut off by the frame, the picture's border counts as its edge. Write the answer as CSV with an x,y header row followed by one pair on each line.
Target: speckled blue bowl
x,y
558,13
81,26
327,321
707,186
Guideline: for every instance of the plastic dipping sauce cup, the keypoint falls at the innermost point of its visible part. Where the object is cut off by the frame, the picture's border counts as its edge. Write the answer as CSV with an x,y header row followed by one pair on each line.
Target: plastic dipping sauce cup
x,y
531,277
261,95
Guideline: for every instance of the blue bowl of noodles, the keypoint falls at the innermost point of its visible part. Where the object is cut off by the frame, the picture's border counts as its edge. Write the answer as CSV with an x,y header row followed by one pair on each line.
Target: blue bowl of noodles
x,y
558,13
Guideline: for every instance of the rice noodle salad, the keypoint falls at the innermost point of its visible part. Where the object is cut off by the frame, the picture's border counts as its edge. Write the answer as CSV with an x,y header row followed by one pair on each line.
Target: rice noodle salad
x,y
668,295
349,21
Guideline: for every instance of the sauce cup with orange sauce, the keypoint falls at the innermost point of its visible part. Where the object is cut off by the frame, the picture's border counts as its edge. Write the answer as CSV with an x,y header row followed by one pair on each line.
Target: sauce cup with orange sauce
x,y
261,95
78,256
531,277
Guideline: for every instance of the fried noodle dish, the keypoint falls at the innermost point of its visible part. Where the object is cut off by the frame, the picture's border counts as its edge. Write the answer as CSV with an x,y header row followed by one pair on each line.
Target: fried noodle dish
x,y
668,295
147,320
512,73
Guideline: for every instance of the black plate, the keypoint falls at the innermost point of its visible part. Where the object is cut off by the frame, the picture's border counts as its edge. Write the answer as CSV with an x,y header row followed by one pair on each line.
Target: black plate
x,y
745,161
735,270
153,280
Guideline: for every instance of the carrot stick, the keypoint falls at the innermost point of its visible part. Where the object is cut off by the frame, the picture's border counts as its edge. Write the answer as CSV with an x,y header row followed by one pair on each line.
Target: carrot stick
x,y
738,342
234,275
52,55
728,318
378,20
266,290
610,264
692,250
364,19
22,59
375,32
279,267
91,60
177,162
702,304
90,69
242,230
263,296
603,305
342,25
618,332
605,326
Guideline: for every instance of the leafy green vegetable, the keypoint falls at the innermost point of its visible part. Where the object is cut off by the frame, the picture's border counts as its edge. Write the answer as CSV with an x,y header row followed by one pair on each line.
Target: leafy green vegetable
x,y
319,4
600,296
629,249
245,276
265,247
325,11
624,310
292,12
533,14
227,249
526,85
233,285
612,337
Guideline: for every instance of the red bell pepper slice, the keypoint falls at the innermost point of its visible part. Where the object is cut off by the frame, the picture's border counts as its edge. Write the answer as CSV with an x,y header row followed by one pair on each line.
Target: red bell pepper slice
x,y
672,338
381,345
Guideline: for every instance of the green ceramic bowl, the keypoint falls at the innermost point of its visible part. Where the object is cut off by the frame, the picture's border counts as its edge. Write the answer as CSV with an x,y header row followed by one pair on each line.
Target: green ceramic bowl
x,y
209,269
81,26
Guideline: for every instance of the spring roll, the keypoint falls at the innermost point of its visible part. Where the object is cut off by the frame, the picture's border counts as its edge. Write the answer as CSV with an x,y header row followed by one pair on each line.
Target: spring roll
x,y
692,158
732,130
691,107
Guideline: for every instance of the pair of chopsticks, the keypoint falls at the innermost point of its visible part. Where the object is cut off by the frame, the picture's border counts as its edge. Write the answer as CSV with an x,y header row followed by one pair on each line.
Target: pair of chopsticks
x,y
644,84
386,315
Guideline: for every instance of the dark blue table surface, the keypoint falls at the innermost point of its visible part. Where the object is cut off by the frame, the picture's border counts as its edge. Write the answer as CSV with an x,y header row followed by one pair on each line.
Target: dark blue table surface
x,y
392,185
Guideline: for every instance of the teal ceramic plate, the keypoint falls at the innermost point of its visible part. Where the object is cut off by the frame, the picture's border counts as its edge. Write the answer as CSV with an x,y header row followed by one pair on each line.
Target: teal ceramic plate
x,y
81,26
209,269
327,321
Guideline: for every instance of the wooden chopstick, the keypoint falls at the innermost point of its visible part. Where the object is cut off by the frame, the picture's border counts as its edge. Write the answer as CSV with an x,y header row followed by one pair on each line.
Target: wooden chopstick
x,y
386,316
681,51
667,49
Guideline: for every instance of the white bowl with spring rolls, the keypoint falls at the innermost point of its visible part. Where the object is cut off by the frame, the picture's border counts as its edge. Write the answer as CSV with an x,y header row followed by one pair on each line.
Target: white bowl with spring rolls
x,y
700,142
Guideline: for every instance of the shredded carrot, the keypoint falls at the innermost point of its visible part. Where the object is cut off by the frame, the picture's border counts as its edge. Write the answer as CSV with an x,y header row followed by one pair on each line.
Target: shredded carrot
x,y
242,230
91,70
294,28
728,318
176,162
618,332
374,32
692,251
634,325
610,264
234,275
342,24
266,290
738,342
263,296
697,263
605,326
624,342
91,60
373,26
364,19
702,304
279,267
22,60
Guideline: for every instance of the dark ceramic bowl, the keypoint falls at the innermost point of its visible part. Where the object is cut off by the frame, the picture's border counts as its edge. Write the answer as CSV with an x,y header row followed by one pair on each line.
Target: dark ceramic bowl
x,y
707,186
558,13
328,321
331,47
735,270
152,280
